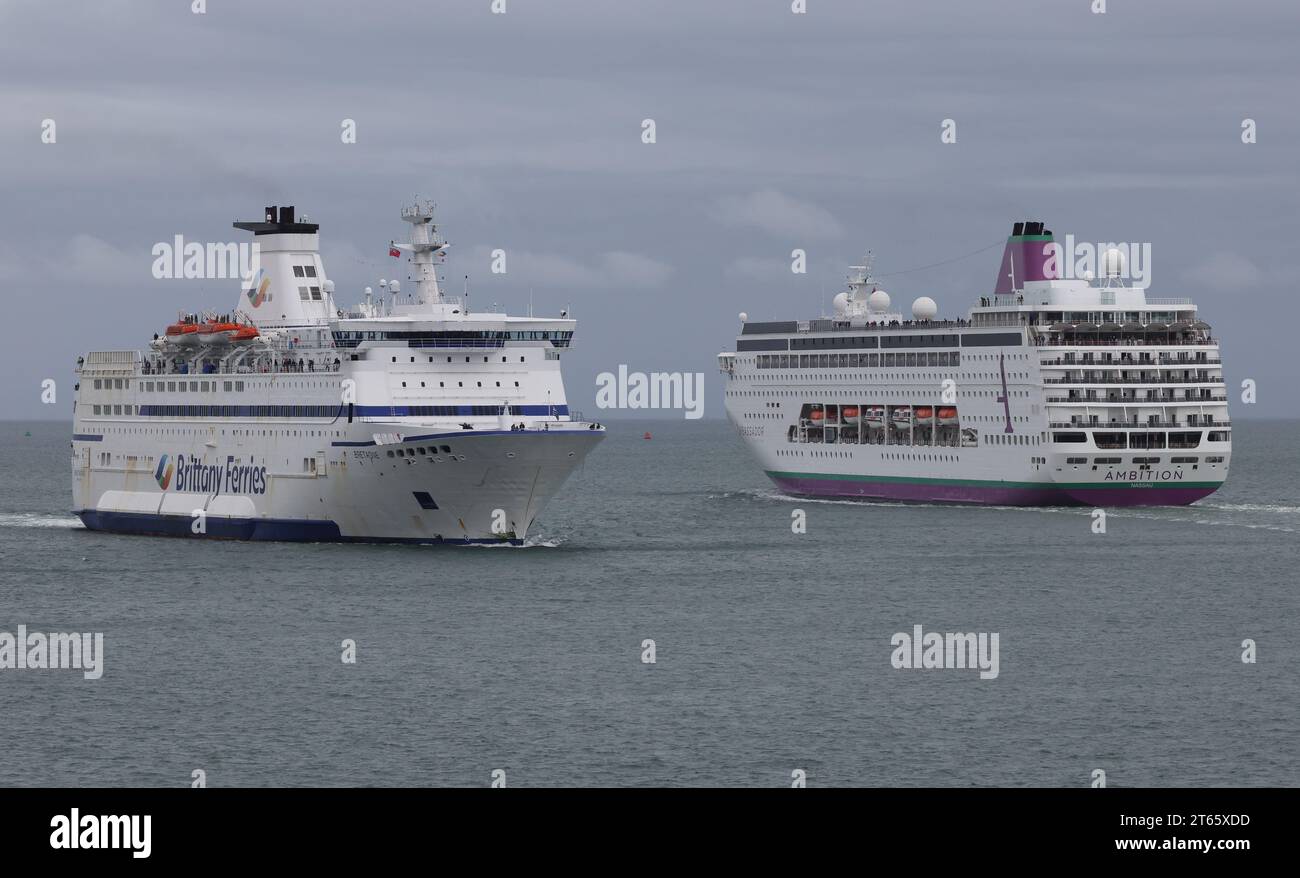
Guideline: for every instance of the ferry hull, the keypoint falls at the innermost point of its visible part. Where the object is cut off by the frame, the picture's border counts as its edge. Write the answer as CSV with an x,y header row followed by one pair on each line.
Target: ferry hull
x,y
992,493
488,492
257,529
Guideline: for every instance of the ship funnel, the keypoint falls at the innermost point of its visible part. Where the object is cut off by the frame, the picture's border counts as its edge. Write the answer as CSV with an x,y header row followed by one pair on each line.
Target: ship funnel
x,y
1028,256
289,288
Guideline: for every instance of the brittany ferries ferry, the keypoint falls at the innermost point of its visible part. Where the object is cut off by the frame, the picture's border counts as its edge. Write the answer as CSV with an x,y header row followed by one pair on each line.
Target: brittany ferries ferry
x,y
1052,392
407,418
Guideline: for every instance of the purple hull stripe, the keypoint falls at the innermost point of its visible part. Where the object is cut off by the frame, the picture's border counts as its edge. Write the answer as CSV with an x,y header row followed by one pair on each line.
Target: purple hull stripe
x,y
994,495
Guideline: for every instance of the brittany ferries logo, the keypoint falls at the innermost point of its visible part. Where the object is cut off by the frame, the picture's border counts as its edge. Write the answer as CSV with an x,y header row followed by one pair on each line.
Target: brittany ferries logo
x,y
196,477
259,291
164,472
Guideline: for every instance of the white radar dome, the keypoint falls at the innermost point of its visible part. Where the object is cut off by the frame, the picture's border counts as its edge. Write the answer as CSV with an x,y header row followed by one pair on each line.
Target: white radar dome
x,y
841,304
1112,262
878,301
924,308
744,318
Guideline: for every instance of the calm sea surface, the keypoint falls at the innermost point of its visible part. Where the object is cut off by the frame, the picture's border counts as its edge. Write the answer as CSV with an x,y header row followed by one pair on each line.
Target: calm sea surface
x,y
1119,651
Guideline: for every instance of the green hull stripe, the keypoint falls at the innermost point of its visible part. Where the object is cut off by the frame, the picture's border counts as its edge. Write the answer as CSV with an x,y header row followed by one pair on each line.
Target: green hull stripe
x,y
997,483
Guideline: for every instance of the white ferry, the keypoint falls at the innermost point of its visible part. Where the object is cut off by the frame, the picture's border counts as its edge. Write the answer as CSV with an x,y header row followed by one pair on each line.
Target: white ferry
x,y
1052,392
405,419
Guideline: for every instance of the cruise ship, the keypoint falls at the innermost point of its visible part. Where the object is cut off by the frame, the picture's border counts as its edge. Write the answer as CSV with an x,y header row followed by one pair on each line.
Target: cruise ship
x,y
1053,391
407,418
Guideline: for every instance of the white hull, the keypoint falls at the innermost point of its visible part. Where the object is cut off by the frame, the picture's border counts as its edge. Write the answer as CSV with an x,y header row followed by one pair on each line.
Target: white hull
x,y
489,488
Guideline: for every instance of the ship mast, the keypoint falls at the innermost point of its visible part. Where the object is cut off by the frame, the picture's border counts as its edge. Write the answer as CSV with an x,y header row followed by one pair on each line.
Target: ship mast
x,y
425,248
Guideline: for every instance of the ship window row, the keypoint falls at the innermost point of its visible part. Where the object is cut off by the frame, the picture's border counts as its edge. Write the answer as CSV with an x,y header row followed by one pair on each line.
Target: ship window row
x,y
1111,461
168,386
420,451
1009,439
1118,440
309,293
854,361
238,411
458,384
485,359
454,338
478,411
304,271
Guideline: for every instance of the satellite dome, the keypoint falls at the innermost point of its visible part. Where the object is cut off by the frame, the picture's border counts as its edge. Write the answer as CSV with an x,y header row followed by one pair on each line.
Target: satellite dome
x,y
878,301
924,308
1112,262
841,304
744,318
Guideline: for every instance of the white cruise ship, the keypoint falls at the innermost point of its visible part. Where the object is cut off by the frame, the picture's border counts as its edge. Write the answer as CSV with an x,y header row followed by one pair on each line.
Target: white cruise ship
x,y
1051,392
405,419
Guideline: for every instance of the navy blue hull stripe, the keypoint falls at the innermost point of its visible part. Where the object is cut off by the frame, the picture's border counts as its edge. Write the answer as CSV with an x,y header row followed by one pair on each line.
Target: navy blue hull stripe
x,y
279,529
86,437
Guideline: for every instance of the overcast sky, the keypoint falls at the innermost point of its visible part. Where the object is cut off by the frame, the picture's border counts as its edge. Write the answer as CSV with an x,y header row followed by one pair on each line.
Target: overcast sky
x,y
775,131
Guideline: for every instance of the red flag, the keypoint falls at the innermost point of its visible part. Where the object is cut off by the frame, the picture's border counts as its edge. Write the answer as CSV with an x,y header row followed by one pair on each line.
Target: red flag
x,y
393,251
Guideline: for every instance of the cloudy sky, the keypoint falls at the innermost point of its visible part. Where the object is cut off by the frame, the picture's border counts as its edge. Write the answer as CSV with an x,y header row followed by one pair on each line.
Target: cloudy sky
x,y
774,131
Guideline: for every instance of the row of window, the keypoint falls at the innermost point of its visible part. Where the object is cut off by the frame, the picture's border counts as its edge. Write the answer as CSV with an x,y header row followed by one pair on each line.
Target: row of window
x,y
1143,440
454,338
853,361
420,451
167,386
222,411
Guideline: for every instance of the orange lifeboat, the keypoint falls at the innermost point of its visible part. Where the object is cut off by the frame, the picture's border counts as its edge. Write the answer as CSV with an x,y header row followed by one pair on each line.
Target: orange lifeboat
x,y
947,415
185,334
924,413
214,332
816,416
850,414
244,334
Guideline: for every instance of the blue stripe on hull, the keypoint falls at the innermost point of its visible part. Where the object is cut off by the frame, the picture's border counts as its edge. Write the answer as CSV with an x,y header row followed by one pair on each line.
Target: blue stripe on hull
x,y
275,529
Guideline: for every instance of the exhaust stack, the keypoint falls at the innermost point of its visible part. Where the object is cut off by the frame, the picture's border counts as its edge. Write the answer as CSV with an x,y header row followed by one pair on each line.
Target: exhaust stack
x,y
1025,257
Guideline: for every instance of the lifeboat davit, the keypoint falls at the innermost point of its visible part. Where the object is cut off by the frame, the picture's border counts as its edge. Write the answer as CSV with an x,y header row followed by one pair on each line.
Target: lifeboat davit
x,y
947,415
924,413
850,414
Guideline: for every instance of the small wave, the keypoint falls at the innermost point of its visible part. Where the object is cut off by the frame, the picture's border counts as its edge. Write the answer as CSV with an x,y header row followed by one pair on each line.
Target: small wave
x,y
1250,507
32,519
529,543
890,504
1213,522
